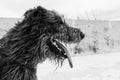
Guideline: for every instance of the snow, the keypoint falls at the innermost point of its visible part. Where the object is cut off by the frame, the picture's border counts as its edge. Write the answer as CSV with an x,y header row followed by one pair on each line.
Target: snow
x,y
86,67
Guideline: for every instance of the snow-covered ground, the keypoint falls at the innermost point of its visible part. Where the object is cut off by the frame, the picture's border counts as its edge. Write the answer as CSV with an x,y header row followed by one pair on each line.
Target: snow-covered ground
x,y
90,67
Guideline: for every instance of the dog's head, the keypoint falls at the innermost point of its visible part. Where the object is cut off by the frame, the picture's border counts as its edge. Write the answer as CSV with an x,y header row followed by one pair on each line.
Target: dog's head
x,y
41,35
52,31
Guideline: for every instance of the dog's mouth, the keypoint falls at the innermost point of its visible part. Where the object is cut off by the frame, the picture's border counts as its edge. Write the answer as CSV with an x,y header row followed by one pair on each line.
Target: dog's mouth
x,y
60,50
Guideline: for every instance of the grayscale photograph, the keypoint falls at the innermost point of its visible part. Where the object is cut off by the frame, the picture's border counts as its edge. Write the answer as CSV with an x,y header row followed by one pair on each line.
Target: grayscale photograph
x,y
59,40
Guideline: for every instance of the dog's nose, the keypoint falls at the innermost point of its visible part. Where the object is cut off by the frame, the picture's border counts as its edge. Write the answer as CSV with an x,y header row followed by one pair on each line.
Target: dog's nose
x,y
82,35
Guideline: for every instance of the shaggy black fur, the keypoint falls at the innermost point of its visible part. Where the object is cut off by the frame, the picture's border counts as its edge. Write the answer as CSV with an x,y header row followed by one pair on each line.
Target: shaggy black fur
x,y
37,37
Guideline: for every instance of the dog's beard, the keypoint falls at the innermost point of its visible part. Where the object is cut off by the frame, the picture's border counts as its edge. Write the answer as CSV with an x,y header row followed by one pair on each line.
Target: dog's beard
x,y
63,50
60,51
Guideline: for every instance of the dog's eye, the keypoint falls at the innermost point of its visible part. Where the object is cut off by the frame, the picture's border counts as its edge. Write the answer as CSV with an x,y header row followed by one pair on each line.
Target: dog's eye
x,y
63,29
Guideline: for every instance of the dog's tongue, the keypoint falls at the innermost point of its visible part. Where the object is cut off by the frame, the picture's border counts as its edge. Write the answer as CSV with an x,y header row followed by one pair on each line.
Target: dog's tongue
x,y
69,60
67,53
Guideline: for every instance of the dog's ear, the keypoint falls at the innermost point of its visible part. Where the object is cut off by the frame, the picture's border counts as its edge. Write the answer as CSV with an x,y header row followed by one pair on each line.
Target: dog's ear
x,y
28,13
36,12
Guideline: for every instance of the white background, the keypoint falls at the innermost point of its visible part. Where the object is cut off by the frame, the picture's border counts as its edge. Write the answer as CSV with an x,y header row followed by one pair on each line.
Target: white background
x,y
102,9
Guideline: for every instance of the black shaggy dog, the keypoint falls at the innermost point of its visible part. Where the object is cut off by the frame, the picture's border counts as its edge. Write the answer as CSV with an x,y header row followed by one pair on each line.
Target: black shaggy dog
x,y
39,36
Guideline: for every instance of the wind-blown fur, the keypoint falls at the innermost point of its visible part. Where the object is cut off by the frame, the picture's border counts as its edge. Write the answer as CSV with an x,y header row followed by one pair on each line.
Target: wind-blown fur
x,y
29,42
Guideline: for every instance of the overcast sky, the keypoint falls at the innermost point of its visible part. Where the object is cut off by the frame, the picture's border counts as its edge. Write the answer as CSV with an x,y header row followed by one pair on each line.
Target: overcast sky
x,y
70,8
